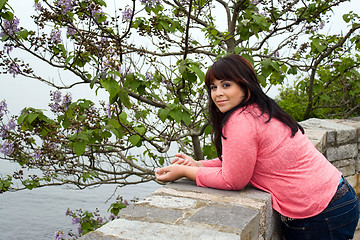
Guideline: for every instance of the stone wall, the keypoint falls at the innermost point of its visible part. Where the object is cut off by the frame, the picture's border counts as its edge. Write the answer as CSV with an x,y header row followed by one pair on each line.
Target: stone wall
x,y
181,210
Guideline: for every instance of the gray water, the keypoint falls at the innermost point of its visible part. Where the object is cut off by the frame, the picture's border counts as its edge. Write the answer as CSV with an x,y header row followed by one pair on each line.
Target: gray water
x,y
37,214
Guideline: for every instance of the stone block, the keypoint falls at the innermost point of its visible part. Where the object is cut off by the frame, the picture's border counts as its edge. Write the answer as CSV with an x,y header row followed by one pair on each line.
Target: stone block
x,y
99,236
344,133
344,163
351,123
150,214
168,202
137,230
317,137
341,152
347,171
229,218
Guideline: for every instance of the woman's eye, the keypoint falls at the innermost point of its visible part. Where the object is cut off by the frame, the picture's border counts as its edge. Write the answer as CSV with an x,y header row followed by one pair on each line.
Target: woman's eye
x,y
225,85
212,87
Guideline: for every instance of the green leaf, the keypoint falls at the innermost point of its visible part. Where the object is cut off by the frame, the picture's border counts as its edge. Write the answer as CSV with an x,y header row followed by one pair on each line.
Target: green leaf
x,y
21,119
66,123
31,117
111,86
141,130
7,15
176,115
2,3
23,34
79,148
124,99
186,118
346,18
135,139
163,114
293,71
198,72
114,123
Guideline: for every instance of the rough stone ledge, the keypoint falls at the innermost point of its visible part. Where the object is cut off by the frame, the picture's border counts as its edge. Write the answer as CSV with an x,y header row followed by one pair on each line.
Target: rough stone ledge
x,y
184,211
338,132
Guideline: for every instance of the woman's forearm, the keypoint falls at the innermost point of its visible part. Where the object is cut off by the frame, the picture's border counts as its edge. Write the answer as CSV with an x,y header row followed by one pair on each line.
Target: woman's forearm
x,y
190,172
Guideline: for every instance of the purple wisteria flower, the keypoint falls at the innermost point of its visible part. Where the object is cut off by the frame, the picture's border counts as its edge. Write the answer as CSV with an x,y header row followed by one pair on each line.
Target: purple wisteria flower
x,y
108,111
59,235
75,220
255,2
8,48
127,14
66,101
3,108
9,27
37,155
70,31
38,7
55,36
56,96
3,132
60,103
149,76
14,69
11,125
7,148
79,229
69,212
100,219
150,3
65,5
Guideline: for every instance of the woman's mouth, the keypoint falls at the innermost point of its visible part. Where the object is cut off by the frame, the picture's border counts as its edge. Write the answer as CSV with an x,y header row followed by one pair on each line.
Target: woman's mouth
x,y
220,102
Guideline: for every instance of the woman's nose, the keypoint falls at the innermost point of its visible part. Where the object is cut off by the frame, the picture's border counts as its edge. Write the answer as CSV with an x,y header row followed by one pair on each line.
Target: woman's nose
x,y
219,92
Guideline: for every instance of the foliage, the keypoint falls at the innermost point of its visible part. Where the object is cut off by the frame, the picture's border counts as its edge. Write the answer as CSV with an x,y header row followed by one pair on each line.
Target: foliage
x,y
150,56
339,100
89,221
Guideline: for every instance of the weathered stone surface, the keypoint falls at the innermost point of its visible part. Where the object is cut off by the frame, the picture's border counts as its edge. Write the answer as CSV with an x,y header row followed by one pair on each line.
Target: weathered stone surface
x,y
168,202
234,218
150,214
99,236
317,137
344,133
351,123
136,230
341,152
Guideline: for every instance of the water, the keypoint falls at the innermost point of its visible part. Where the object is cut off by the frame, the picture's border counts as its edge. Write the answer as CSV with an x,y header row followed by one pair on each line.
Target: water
x,y
39,213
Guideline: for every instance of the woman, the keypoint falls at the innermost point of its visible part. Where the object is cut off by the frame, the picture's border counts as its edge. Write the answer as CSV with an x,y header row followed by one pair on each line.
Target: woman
x,y
258,143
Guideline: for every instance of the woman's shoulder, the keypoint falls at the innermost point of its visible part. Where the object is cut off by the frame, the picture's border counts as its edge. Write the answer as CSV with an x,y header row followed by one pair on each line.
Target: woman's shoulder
x,y
249,112
244,116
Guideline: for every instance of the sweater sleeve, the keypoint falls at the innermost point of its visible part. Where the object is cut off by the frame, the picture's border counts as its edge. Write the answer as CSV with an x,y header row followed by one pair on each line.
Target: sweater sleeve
x,y
239,155
212,163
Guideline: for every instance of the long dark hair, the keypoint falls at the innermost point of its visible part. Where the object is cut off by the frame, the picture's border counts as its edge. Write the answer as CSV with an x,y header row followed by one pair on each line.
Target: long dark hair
x,y
237,69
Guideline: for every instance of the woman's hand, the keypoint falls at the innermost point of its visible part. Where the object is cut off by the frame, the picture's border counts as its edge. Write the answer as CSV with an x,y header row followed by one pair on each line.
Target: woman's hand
x,y
183,159
174,172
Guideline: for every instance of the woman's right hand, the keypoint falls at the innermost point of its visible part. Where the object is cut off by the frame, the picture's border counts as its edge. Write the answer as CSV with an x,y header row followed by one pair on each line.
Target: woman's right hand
x,y
183,159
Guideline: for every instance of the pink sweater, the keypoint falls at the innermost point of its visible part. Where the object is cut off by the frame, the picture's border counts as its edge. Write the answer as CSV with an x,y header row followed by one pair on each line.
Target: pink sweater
x,y
299,178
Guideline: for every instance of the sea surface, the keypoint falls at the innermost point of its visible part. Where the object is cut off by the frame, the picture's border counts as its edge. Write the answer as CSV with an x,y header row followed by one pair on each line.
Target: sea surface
x,y
37,214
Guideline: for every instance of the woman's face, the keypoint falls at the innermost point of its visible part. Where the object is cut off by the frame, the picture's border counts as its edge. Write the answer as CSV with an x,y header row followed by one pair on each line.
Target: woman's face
x,y
226,94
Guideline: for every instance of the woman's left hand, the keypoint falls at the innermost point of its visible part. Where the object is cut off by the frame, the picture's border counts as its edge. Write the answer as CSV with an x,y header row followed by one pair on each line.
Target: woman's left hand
x,y
174,172
169,173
